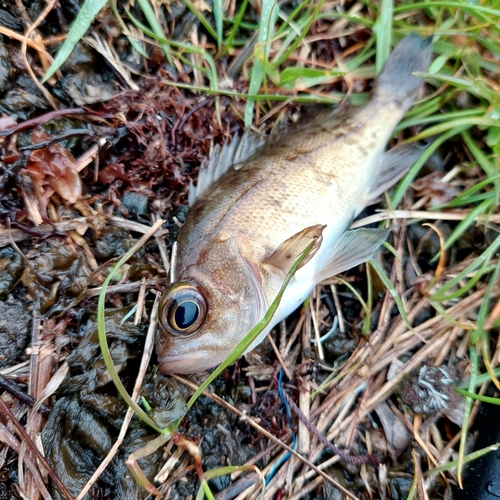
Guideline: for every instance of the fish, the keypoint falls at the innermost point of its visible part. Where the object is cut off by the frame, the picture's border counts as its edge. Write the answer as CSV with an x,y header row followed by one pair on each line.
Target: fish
x,y
250,223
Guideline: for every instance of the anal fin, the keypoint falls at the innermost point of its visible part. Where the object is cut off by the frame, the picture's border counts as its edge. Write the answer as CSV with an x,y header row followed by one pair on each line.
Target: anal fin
x,y
393,166
351,249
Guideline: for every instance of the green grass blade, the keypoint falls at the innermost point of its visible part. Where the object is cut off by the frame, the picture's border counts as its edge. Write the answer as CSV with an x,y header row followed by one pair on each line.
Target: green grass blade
x,y
303,33
218,17
404,184
134,42
478,263
468,458
425,108
476,87
364,305
205,489
395,295
493,138
236,25
468,7
421,119
454,125
212,74
485,377
268,19
369,302
442,312
484,308
383,31
287,25
332,98
103,342
463,290
302,78
468,408
254,87
82,23
470,195
203,20
467,222
490,170
149,14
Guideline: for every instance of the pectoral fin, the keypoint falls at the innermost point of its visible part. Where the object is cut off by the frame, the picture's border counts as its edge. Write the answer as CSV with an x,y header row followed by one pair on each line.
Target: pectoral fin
x,y
291,249
351,249
393,165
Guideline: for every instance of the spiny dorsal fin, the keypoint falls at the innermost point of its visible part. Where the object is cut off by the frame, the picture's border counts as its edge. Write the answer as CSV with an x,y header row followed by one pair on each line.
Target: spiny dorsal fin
x,y
233,152
290,250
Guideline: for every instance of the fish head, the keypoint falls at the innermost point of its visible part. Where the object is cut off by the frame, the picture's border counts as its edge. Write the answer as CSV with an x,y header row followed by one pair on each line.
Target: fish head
x,y
209,310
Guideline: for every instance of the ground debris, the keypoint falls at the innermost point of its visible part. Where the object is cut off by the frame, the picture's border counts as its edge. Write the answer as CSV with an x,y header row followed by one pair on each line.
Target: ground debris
x,y
56,277
55,167
80,185
15,322
87,416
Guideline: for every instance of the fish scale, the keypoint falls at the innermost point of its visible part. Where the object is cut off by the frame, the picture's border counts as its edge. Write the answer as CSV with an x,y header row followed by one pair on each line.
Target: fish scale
x,y
244,232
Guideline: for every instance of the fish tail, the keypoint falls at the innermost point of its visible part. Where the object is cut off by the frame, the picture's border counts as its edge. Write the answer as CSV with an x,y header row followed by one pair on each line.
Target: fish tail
x,y
396,82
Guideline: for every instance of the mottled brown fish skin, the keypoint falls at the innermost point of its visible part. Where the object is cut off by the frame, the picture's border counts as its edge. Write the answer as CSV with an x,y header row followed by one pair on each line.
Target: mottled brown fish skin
x,y
319,175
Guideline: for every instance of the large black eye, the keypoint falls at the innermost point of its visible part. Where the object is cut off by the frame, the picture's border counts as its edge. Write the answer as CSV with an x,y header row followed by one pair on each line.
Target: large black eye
x,y
182,309
186,313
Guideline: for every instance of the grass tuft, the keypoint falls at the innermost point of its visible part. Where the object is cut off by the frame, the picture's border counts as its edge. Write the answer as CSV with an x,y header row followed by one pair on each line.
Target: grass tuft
x,y
88,12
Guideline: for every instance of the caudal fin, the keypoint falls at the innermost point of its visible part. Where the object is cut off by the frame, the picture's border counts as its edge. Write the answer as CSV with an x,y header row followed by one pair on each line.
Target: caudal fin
x,y
396,82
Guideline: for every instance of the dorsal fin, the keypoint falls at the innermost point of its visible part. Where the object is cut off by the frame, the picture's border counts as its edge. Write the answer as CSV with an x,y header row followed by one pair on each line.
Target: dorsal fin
x,y
235,151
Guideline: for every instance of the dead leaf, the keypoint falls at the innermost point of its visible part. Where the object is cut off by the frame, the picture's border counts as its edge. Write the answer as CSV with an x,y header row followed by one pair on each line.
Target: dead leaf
x,y
55,167
398,436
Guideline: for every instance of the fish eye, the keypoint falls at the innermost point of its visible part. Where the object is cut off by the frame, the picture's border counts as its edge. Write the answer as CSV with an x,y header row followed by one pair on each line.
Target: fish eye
x,y
183,309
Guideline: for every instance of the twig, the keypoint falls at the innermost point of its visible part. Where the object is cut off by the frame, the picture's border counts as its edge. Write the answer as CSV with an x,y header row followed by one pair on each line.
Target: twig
x,y
125,287
131,225
352,459
50,5
338,307
21,38
110,55
69,225
493,316
23,434
12,442
160,241
13,389
416,429
33,386
314,318
148,349
244,417
421,214
40,120
56,138
22,369
280,359
141,301
307,489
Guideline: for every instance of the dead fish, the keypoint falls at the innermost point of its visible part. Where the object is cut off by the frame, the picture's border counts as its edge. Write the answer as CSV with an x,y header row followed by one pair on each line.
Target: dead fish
x,y
244,232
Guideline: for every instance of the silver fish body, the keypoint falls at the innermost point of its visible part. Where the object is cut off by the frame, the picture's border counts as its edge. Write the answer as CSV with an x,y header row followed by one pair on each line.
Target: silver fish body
x,y
242,234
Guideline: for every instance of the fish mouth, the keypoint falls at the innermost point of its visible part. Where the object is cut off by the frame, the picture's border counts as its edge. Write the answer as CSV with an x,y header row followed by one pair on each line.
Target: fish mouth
x,y
188,363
